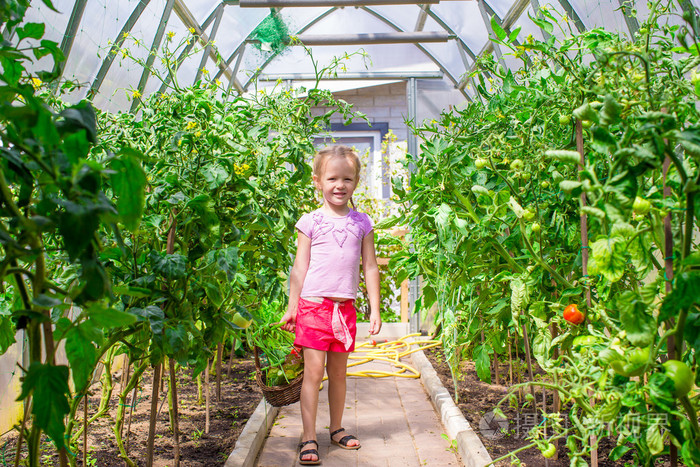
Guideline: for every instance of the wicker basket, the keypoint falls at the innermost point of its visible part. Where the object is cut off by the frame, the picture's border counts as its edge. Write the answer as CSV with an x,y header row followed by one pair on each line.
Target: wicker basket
x,y
278,396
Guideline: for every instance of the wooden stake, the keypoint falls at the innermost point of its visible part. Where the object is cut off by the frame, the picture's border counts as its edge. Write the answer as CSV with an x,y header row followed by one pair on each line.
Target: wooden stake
x,y
206,398
529,366
556,402
174,421
131,413
125,381
154,413
584,260
219,355
510,360
85,427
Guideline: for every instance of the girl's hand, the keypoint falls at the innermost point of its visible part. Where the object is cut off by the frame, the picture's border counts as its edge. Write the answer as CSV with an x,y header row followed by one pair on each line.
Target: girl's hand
x,y
288,321
375,323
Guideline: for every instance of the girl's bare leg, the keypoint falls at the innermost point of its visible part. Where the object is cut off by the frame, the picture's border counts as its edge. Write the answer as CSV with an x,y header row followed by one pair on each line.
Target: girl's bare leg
x,y
337,368
314,361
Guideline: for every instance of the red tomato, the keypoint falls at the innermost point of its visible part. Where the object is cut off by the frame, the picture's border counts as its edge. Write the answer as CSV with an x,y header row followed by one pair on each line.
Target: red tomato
x,y
573,315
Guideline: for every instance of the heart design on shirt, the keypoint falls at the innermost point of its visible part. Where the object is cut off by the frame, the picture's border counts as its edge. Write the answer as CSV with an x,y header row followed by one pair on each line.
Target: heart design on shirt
x,y
340,236
354,228
323,226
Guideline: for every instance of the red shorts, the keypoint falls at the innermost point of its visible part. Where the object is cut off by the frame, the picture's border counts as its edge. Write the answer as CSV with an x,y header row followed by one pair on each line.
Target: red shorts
x,y
314,327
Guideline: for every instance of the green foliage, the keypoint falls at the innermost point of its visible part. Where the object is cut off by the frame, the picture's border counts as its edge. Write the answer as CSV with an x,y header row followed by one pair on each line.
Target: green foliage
x,y
155,232
488,173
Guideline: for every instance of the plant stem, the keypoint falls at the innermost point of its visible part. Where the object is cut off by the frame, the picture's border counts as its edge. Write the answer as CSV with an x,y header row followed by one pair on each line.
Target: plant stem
x,y
206,398
173,403
219,355
154,412
119,419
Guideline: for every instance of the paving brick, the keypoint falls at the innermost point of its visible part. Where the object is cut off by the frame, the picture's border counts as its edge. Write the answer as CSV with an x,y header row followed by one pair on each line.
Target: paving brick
x,y
277,452
393,418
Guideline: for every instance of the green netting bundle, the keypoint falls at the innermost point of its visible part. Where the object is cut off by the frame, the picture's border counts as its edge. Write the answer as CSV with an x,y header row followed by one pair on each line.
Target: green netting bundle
x,y
272,33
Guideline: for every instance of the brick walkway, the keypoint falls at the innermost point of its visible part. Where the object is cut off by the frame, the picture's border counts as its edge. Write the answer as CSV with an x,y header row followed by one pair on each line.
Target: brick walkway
x,y
393,418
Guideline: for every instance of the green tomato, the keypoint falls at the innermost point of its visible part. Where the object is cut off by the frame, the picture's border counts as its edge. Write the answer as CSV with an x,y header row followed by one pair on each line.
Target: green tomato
x,y
536,227
641,206
635,365
564,119
528,214
544,185
517,164
586,123
681,375
549,451
525,175
584,341
480,163
639,356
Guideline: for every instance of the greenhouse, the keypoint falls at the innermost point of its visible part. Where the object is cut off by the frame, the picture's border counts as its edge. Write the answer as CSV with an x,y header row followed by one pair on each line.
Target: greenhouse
x,y
473,223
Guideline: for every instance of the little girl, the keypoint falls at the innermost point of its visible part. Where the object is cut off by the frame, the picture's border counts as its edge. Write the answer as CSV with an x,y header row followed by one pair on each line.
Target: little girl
x,y
323,286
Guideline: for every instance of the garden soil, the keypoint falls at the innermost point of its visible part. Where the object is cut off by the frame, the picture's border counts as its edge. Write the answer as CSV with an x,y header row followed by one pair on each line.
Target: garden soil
x,y
240,396
476,401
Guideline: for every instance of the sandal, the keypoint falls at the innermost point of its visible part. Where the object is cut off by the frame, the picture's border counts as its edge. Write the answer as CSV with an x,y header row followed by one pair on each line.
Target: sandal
x,y
343,442
309,451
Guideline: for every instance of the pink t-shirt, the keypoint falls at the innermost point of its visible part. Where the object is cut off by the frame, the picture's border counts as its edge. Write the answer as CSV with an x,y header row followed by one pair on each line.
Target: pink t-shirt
x,y
336,248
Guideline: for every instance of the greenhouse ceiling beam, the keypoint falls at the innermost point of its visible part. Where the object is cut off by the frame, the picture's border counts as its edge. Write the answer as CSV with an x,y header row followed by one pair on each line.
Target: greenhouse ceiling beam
x,y
234,81
449,29
371,38
154,48
516,10
238,52
116,45
631,21
571,13
189,20
208,47
274,55
361,75
422,17
188,48
69,36
325,3
419,46
487,23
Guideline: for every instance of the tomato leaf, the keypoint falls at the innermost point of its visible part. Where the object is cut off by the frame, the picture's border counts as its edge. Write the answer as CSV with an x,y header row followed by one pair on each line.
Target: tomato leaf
x,y
636,319
31,30
49,386
497,29
169,266
153,315
129,185
108,318
81,352
608,258
482,363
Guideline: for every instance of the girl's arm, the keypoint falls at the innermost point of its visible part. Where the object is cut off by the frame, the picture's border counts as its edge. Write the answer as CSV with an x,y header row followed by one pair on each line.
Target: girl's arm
x,y
296,280
369,264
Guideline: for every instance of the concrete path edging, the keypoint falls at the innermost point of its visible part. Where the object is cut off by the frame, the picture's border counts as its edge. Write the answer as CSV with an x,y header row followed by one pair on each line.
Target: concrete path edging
x,y
470,447
253,436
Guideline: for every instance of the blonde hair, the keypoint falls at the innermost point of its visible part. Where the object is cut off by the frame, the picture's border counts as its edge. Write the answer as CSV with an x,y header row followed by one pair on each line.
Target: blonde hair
x,y
321,159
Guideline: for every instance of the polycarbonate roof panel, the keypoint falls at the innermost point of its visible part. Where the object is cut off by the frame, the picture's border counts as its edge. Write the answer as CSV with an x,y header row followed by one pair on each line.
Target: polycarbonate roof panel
x,y
501,7
596,14
102,20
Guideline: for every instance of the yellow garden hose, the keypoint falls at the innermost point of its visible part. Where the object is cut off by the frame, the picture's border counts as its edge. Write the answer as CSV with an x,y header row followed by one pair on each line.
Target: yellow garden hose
x,y
391,352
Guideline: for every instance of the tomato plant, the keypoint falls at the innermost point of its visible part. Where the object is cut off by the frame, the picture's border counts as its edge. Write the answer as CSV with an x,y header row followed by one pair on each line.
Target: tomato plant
x,y
499,282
